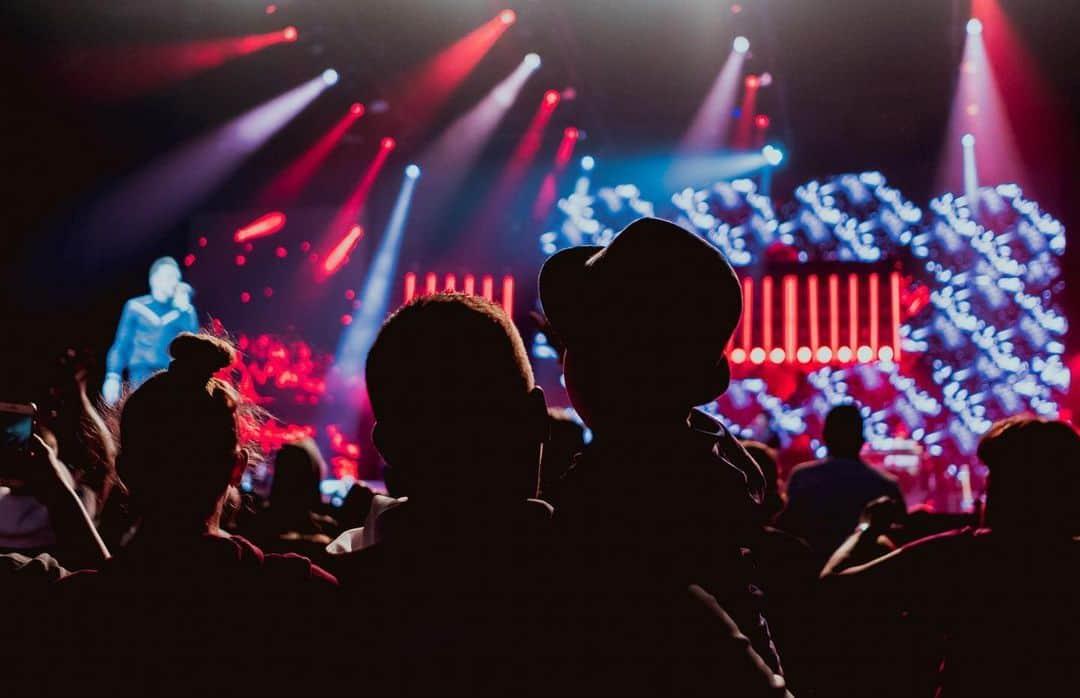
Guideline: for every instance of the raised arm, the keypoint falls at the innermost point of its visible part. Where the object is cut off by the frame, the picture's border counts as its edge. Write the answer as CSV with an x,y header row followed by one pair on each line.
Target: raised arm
x,y
78,544
119,355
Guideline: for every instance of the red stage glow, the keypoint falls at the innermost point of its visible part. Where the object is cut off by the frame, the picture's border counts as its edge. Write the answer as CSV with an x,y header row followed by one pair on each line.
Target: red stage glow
x,y
894,303
748,314
271,9
853,309
507,16
570,133
388,143
264,225
761,121
241,260
189,259
245,297
290,34
288,185
766,312
551,98
874,313
834,313
281,252
791,311
508,296
341,251
752,82
815,329
431,286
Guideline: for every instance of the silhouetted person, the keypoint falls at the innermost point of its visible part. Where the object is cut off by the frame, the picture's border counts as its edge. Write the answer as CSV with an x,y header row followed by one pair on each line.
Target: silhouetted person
x,y
664,498
825,497
1003,601
186,608
448,596
787,571
291,523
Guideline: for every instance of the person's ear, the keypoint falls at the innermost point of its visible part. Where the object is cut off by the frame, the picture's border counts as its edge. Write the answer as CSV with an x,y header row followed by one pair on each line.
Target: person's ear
x,y
241,464
536,414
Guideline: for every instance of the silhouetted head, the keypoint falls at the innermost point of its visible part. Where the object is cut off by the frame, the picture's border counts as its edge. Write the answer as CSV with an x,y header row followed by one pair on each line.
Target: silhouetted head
x,y
843,432
179,436
298,469
765,457
1034,476
644,322
164,277
456,410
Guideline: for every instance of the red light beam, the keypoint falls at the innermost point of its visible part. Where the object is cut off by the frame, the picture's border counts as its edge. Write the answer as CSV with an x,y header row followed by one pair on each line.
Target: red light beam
x,y
288,185
341,251
264,225
427,87
126,71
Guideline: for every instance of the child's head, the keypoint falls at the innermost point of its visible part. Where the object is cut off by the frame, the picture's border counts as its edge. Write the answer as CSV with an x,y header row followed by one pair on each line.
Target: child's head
x,y
454,401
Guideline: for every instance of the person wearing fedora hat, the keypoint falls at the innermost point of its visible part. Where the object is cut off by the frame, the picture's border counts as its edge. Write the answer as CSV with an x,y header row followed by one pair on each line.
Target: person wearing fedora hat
x,y
644,323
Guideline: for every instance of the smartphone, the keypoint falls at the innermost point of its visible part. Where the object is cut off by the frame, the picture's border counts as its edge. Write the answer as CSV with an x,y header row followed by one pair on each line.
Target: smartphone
x,y
16,428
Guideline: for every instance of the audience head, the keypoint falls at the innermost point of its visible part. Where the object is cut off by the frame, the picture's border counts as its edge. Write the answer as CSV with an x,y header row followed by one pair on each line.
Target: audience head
x,y
644,322
180,445
164,278
843,432
765,457
299,468
456,409
1034,475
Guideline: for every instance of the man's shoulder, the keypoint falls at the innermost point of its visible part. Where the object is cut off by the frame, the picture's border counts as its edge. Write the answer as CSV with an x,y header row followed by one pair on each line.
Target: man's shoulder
x,y
806,468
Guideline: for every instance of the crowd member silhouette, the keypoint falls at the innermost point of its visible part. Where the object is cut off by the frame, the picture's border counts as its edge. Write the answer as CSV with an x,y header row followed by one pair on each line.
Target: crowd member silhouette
x,y
1002,601
787,571
825,498
292,522
565,441
168,614
655,516
448,596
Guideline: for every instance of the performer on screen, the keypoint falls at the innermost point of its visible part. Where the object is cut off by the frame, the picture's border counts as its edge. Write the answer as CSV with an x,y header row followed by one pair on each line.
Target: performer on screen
x,y
147,325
